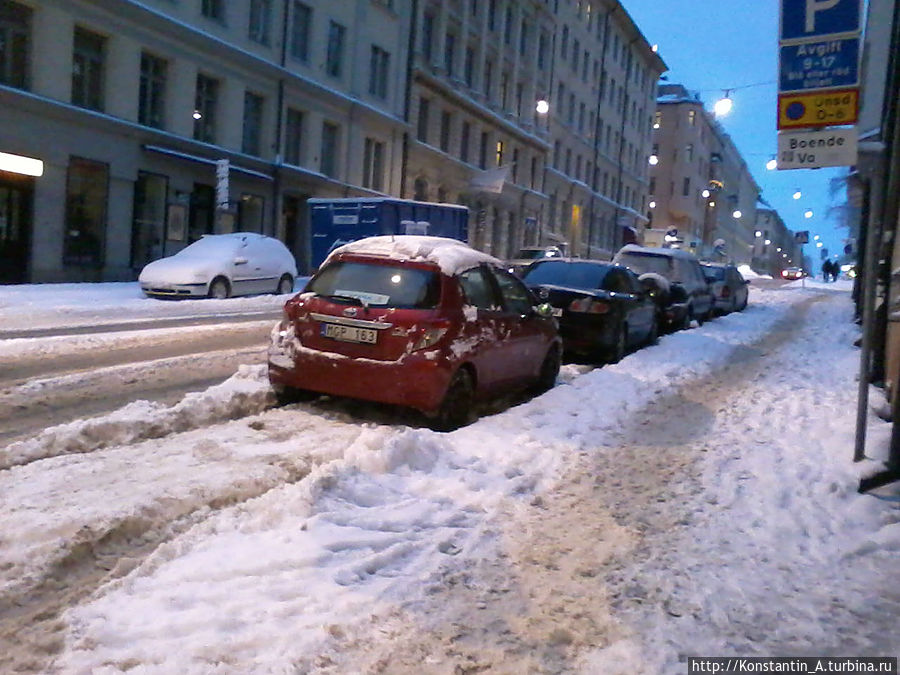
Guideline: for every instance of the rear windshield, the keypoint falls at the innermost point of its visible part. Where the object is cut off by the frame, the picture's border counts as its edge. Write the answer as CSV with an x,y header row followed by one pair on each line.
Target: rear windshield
x,y
378,285
558,273
642,263
716,272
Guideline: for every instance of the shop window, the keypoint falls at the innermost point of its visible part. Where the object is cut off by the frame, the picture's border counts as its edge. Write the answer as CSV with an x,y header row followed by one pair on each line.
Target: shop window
x,y
87,192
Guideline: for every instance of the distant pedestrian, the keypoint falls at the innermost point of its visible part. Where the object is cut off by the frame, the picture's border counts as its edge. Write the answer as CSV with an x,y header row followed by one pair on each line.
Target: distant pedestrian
x,y
835,270
826,271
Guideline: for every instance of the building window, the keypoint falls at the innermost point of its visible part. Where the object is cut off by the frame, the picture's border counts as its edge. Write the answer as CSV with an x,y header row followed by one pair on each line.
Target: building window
x,y
445,130
213,9
515,165
260,21
250,213
686,187
692,117
469,67
87,191
87,69
504,91
428,37
378,72
534,172
328,164
301,24
483,150
564,44
253,109
689,152
449,53
543,40
15,31
523,38
576,52
464,140
499,153
422,125
657,119
205,102
293,136
492,14
152,103
373,165
335,57
508,26
488,75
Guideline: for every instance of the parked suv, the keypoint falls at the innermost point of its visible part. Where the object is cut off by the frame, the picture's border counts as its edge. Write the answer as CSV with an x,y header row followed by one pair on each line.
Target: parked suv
x,y
678,275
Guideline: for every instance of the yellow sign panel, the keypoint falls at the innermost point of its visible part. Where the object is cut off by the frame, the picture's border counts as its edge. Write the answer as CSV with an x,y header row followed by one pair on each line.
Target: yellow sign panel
x,y
818,109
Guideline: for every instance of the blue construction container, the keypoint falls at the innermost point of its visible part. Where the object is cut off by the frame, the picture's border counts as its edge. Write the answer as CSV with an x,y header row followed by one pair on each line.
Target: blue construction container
x,y
334,222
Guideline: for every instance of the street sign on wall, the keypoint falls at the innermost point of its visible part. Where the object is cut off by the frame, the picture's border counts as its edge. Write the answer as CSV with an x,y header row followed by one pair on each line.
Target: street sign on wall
x,y
818,109
811,19
814,149
819,65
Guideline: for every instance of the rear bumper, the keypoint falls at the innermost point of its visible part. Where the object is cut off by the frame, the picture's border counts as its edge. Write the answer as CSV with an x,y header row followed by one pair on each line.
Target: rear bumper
x,y
586,337
673,315
416,380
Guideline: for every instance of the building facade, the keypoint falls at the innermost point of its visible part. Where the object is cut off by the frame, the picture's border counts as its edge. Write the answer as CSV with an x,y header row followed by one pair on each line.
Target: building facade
x,y
774,245
702,195
155,122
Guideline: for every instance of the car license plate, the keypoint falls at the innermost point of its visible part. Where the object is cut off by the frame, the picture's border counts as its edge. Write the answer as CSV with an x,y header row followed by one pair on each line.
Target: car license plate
x,y
557,312
349,333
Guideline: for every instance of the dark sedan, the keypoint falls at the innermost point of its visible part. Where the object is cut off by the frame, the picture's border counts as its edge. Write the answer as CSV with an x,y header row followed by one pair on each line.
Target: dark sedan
x,y
603,309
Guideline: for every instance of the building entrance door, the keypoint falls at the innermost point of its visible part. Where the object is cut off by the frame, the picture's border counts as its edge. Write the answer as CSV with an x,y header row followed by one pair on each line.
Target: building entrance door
x,y
16,197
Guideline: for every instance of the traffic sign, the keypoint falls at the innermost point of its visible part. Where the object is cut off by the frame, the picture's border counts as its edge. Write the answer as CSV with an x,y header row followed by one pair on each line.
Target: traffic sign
x,y
818,109
820,65
811,19
802,237
815,149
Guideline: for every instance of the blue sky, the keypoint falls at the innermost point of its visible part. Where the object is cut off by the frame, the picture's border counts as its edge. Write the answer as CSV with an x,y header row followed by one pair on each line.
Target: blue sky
x,y
713,46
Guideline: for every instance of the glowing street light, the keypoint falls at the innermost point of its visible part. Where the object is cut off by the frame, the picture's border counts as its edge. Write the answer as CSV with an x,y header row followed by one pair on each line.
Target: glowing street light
x,y
819,244
772,164
816,238
197,115
705,194
768,241
808,213
542,107
724,105
653,160
652,205
797,193
737,214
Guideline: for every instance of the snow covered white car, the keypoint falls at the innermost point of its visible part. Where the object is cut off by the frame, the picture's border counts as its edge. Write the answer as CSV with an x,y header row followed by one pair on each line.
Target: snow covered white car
x,y
220,266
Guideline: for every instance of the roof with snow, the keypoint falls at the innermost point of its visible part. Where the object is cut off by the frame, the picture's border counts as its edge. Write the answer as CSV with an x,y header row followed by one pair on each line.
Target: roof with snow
x,y
451,255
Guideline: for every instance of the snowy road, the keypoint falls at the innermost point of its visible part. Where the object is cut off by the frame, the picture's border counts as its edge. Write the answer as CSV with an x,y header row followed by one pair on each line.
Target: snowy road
x,y
697,498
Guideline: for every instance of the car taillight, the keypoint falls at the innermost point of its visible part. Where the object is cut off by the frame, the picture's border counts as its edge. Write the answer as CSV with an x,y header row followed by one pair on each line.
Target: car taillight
x,y
589,306
430,336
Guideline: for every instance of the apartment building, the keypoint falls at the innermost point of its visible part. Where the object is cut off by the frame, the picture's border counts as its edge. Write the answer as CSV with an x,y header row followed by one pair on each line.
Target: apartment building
x,y
702,195
133,127
774,245
130,105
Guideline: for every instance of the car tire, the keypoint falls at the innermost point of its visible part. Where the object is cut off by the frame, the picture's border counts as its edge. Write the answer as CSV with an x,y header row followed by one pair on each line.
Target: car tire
x,y
285,395
285,285
219,289
459,400
653,333
619,349
549,370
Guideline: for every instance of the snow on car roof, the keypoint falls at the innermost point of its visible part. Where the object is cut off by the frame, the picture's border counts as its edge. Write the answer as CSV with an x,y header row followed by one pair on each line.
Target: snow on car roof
x,y
451,255
647,250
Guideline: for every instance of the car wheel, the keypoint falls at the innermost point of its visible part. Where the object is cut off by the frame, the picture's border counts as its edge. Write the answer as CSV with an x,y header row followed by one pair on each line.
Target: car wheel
x,y
285,395
285,285
549,370
456,407
653,333
219,289
618,350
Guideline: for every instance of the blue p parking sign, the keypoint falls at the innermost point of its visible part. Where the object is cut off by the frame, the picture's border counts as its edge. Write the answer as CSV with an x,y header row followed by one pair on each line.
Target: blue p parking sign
x,y
806,19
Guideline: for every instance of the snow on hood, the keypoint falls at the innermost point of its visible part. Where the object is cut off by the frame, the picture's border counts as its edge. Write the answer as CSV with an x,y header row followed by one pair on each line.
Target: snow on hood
x,y
450,255
177,270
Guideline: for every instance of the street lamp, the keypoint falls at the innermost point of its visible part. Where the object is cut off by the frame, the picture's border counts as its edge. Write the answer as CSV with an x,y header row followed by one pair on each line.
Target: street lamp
x,y
772,164
797,193
759,233
724,105
808,213
542,107
652,205
653,160
705,194
737,214
197,115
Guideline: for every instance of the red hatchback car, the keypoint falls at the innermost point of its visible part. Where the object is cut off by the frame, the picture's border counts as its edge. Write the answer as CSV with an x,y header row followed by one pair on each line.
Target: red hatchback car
x,y
423,322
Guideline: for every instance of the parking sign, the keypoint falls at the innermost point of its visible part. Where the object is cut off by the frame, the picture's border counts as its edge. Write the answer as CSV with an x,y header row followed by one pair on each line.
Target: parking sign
x,y
811,19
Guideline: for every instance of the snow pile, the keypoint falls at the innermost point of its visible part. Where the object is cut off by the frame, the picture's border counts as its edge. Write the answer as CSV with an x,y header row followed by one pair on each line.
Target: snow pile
x,y
245,393
748,273
450,255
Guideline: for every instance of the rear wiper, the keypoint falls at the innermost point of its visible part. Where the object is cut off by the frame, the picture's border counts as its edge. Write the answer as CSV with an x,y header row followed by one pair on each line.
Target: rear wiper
x,y
349,298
